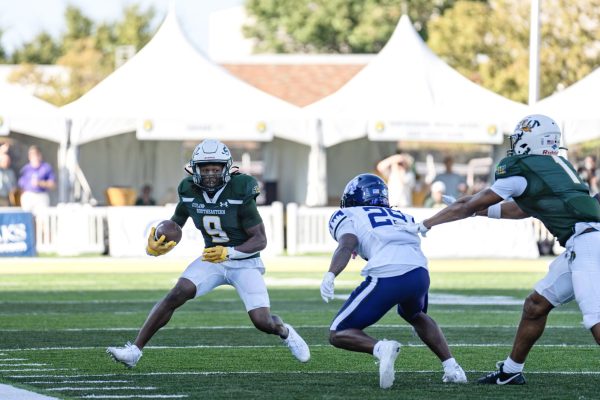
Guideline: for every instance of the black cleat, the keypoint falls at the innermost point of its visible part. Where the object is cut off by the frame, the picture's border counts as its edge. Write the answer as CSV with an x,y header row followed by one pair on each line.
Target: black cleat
x,y
500,377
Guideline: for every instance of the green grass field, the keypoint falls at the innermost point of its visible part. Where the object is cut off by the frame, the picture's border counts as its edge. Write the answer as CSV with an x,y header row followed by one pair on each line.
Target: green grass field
x,y
58,315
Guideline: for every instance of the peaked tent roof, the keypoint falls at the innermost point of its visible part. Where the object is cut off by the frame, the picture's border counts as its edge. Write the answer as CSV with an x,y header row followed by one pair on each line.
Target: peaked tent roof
x,y
24,113
170,90
408,93
576,109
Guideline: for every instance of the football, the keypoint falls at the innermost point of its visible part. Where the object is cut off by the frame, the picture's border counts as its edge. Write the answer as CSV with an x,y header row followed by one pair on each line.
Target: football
x,y
170,229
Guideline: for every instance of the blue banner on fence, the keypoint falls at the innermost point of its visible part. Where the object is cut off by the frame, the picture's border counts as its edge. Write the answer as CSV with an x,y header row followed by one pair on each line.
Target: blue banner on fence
x,y
17,236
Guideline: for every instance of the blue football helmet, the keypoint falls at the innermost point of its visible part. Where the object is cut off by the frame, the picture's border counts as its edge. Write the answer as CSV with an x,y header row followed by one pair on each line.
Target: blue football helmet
x,y
365,190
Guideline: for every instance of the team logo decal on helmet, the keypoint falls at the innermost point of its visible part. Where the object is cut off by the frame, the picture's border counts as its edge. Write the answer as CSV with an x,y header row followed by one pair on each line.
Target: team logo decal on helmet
x,y
211,151
535,134
365,190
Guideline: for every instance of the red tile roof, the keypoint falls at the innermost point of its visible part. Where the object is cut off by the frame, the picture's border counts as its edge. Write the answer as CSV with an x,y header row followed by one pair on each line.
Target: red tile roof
x,y
298,83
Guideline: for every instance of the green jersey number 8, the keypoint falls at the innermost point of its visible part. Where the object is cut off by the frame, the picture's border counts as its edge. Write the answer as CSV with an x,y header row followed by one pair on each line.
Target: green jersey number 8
x,y
212,226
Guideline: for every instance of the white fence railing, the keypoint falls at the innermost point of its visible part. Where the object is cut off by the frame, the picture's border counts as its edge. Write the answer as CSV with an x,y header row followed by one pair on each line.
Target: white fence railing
x,y
307,231
70,229
74,229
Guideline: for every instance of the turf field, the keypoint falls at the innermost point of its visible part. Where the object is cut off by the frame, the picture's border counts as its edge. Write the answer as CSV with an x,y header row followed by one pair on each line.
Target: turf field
x,y
58,315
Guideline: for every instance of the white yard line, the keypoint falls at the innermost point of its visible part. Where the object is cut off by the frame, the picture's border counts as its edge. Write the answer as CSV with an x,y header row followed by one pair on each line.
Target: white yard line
x,y
135,396
35,369
10,392
60,389
71,381
210,373
243,327
565,345
23,365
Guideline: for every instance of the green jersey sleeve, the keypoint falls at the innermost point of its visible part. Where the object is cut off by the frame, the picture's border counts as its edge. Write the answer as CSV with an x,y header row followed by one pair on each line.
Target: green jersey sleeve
x,y
508,166
181,211
245,187
249,215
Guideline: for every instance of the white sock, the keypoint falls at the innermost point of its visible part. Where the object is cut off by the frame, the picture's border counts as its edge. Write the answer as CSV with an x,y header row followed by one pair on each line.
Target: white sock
x,y
512,367
449,363
376,349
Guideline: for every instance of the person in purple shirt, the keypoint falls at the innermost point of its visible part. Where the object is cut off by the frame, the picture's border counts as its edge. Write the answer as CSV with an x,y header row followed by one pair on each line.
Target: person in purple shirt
x,y
35,181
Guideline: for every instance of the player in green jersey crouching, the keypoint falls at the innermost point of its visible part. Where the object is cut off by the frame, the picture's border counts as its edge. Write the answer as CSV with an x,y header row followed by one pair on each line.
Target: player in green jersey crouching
x,y
534,181
222,206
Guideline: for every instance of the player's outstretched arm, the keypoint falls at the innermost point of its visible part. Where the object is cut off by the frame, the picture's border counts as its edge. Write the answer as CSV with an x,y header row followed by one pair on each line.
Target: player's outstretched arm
x,y
346,245
464,207
508,210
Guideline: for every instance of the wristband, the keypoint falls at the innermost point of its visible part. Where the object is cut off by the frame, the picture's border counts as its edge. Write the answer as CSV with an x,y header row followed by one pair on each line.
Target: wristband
x,y
494,211
233,254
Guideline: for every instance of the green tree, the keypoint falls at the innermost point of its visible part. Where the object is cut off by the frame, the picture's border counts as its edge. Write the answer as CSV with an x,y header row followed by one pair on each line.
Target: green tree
x,y
3,55
489,43
43,49
333,26
79,26
85,49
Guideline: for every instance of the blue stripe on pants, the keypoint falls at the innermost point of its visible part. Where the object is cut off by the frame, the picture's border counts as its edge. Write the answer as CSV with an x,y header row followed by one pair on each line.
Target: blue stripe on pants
x,y
376,296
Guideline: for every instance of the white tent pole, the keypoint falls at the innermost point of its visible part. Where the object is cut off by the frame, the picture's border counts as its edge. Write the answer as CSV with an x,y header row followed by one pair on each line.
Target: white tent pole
x,y
65,186
534,53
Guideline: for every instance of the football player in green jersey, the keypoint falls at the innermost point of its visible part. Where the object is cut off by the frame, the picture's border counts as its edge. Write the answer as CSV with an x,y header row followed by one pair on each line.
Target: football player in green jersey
x,y
222,205
535,181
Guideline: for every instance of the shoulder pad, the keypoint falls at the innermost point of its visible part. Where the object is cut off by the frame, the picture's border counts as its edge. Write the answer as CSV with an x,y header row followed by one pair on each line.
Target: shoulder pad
x,y
185,185
509,166
244,186
335,221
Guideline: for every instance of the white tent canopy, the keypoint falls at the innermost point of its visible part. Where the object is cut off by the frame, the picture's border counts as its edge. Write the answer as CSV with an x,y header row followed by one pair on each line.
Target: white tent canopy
x,y
24,113
171,91
576,109
408,93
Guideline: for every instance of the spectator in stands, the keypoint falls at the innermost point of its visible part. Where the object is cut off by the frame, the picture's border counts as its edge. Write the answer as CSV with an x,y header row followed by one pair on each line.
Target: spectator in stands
x,y
397,170
451,179
145,198
591,175
8,180
35,181
438,189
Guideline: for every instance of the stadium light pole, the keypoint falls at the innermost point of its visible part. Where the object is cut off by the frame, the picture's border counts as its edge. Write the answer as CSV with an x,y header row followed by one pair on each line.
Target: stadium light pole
x,y
534,53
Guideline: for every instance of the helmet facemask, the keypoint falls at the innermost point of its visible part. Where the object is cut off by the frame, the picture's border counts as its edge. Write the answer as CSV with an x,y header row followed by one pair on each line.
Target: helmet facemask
x,y
210,182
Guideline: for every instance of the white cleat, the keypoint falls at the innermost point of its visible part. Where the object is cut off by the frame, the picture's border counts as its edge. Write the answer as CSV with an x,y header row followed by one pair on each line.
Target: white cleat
x,y
454,375
388,352
297,345
128,355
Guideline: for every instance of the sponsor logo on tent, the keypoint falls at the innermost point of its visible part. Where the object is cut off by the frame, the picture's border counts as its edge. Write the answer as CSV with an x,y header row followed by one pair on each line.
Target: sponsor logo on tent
x,y
261,127
148,125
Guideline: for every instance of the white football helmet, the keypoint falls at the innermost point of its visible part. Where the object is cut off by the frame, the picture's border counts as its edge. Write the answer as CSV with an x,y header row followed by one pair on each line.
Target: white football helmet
x,y
535,134
211,151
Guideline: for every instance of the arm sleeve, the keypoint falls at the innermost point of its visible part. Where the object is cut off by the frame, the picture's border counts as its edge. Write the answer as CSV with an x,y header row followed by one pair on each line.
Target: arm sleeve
x,y
49,176
181,214
345,226
249,215
251,191
340,223
513,186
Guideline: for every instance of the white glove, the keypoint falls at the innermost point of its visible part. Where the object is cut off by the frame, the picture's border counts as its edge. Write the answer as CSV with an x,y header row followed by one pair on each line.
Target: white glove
x,y
447,200
416,227
327,287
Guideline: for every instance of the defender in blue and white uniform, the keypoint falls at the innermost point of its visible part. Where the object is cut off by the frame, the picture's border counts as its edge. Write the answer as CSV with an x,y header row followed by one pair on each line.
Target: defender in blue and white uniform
x,y
396,275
